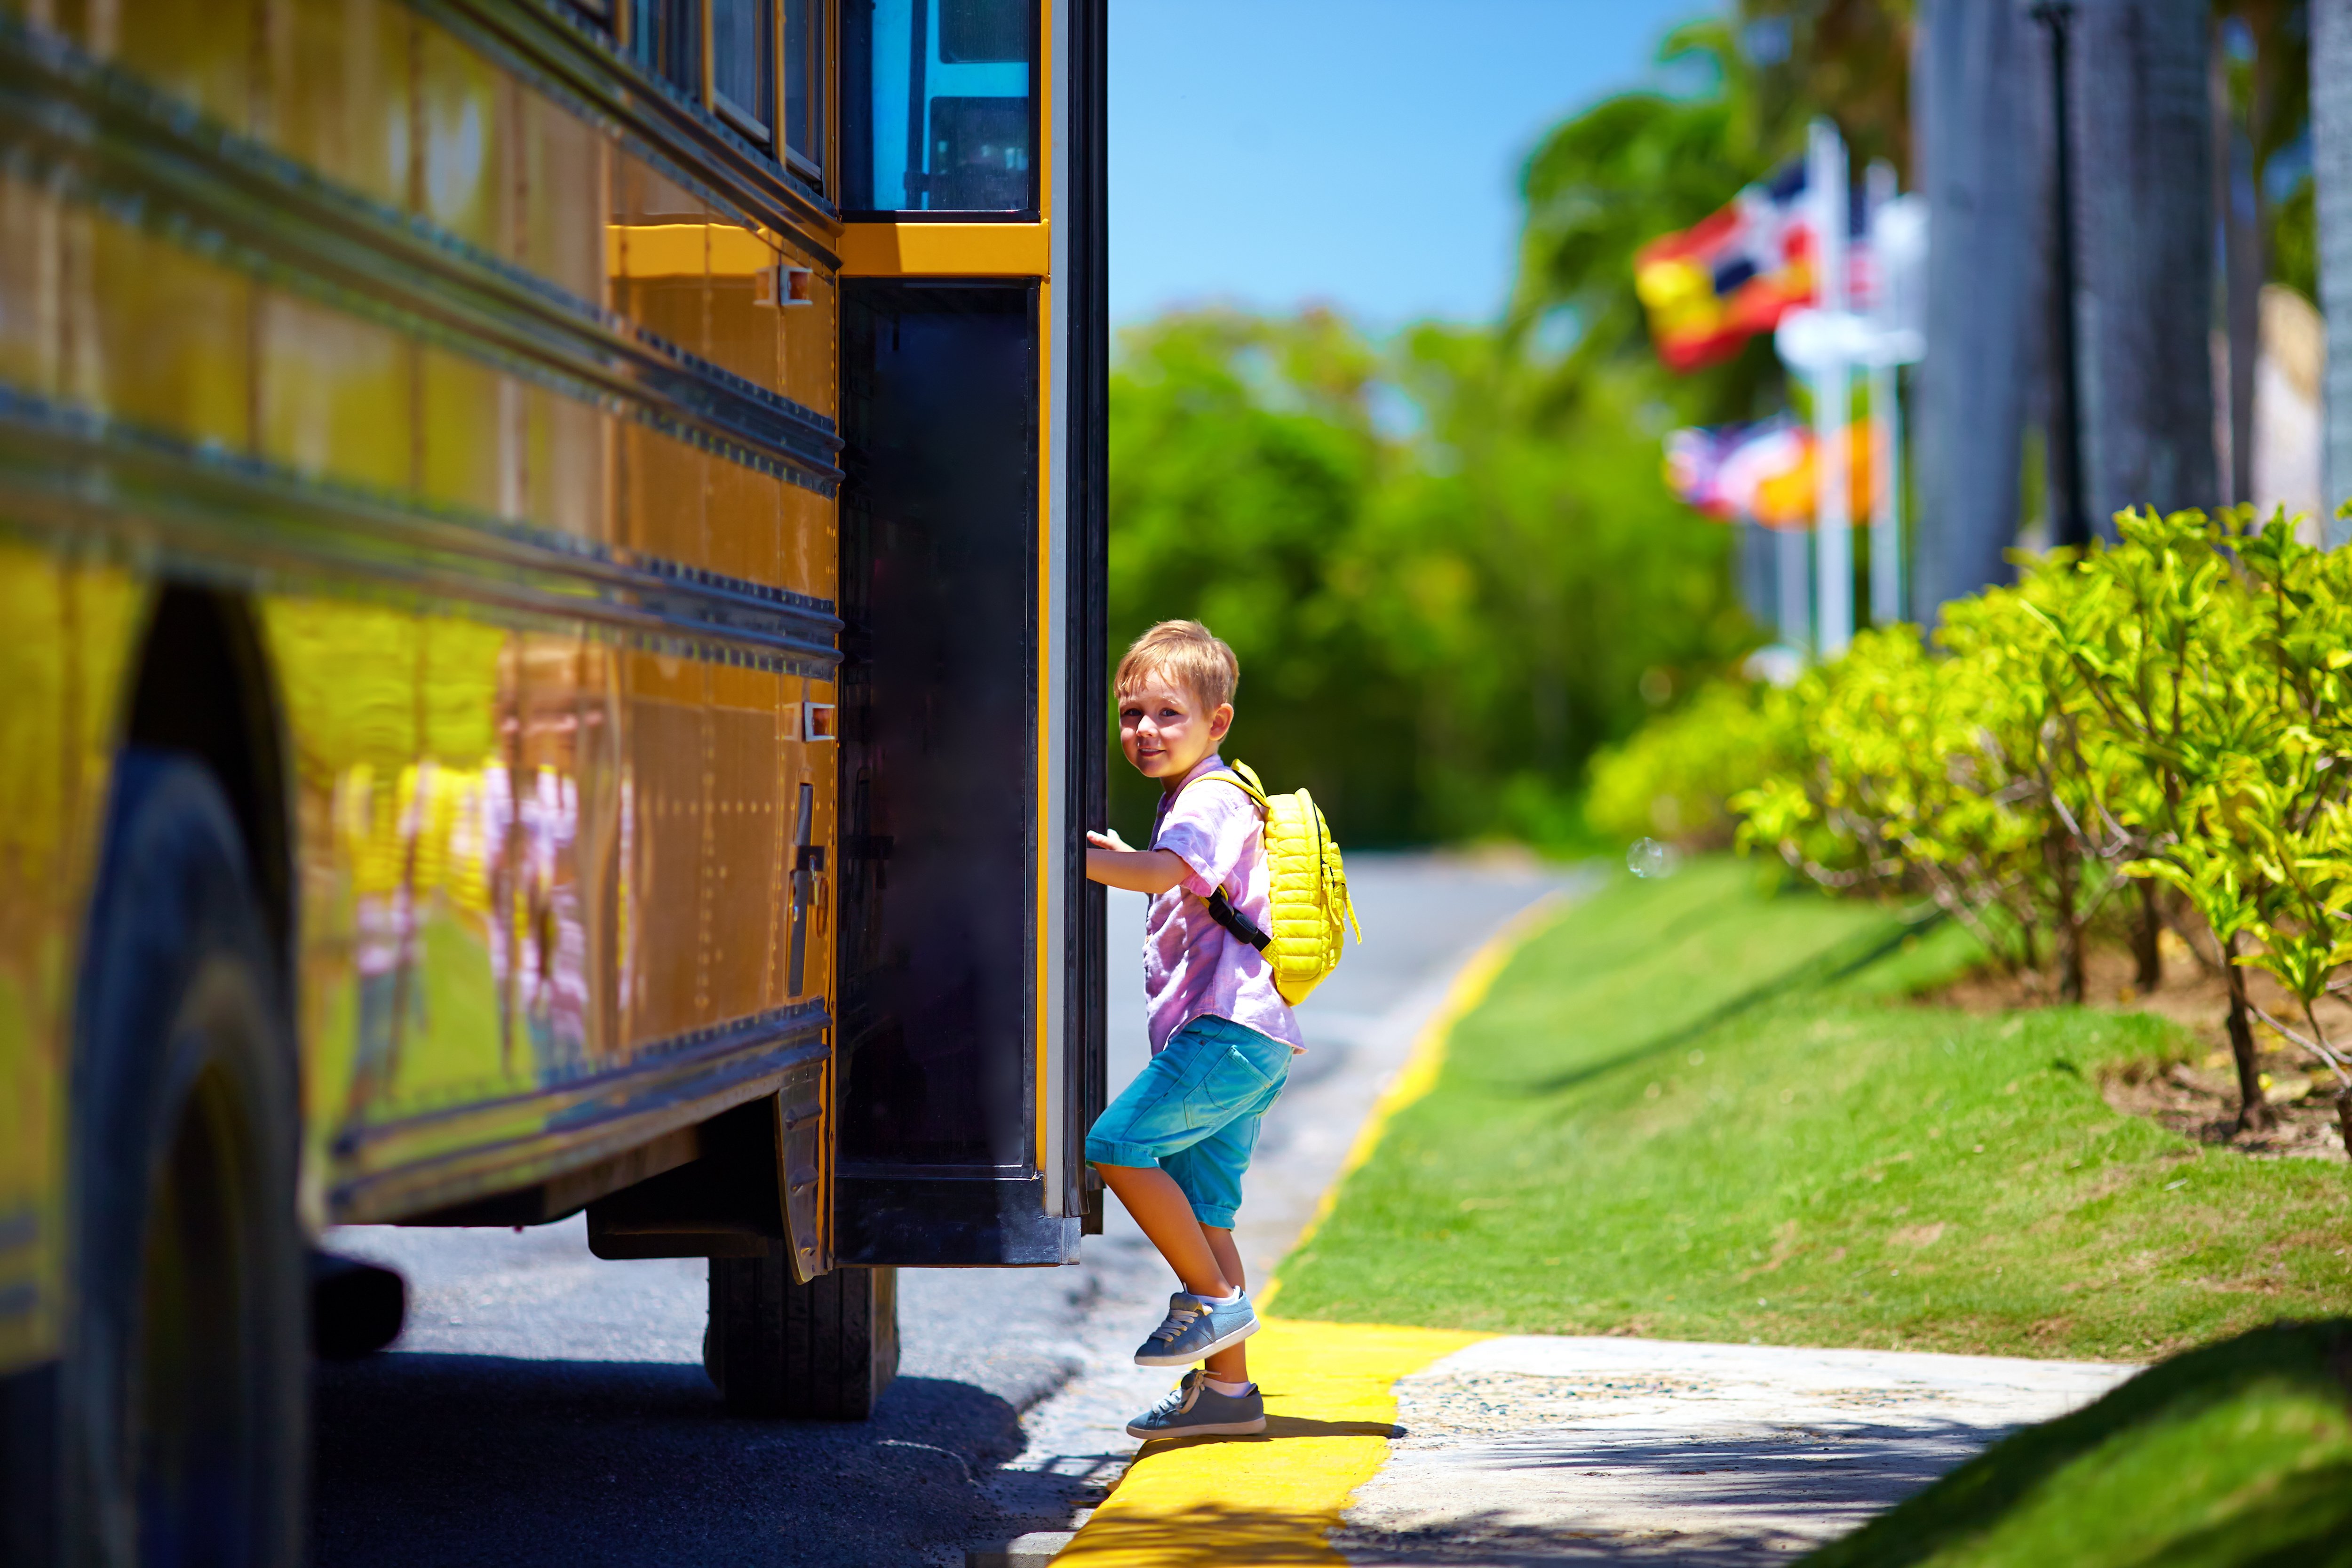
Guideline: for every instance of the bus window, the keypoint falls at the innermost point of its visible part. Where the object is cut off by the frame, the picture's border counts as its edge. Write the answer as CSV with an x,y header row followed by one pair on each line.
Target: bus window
x,y
666,36
743,65
938,115
805,88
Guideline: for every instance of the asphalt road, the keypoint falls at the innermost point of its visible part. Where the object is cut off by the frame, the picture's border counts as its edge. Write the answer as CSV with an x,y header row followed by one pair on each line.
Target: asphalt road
x,y
547,1407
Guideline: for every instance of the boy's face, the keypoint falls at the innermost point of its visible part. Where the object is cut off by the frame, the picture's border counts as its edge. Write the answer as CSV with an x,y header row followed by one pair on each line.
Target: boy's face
x,y
1164,732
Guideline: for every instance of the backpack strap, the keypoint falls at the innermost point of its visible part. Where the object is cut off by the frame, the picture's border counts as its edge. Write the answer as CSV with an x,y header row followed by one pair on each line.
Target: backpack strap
x,y
1221,909
1238,775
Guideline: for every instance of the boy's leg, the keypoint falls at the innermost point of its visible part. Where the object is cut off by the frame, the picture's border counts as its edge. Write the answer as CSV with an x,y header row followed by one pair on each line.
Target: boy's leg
x,y
1173,1147
1165,1217
1231,1364
1209,1173
1152,1119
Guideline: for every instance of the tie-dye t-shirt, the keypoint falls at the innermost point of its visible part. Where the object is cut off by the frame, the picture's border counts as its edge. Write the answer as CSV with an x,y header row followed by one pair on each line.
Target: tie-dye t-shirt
x,y
1193,967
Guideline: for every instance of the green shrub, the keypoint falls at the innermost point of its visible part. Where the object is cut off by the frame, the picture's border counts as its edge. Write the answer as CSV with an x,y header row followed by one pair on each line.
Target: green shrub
x,y
2173,709
1675,777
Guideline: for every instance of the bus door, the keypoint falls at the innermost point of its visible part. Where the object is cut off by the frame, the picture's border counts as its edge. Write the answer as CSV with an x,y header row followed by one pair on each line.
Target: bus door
x,y
972,703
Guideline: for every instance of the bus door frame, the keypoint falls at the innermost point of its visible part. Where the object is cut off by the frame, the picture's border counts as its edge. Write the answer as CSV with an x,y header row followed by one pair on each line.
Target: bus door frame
x,y
894,1211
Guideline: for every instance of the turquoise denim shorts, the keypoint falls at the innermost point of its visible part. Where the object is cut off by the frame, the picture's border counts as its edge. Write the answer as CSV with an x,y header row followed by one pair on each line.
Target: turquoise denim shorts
x,y
1193,1112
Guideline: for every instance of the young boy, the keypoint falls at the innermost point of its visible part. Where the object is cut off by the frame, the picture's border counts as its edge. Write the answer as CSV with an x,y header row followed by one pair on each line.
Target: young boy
x,y
1174,1145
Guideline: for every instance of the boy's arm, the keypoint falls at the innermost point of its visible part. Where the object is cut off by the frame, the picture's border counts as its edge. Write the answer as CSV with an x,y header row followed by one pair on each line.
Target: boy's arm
x,y
1110,862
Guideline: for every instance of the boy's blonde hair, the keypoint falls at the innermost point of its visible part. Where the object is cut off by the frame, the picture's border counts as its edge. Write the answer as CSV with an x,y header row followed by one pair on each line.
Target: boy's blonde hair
x,y
1187,652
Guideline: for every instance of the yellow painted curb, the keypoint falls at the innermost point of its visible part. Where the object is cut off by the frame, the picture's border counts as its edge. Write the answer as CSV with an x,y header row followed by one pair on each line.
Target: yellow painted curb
x,y
1239,1502
1330,1401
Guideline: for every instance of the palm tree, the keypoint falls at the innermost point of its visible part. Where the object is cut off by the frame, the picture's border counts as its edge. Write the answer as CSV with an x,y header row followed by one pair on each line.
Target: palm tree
x,y
2331,136
2143,226
1977,166
2262,107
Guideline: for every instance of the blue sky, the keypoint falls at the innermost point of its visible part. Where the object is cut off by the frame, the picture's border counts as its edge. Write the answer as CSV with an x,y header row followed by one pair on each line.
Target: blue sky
x,y
1359,152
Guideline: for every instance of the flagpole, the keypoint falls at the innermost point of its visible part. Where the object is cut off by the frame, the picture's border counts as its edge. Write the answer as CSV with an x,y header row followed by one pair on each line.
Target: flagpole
x,y
1886,416
1825,182
1886,505
1795,572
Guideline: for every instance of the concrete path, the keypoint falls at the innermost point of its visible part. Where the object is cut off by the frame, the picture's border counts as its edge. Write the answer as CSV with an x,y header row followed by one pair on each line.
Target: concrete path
x,y
1531,1449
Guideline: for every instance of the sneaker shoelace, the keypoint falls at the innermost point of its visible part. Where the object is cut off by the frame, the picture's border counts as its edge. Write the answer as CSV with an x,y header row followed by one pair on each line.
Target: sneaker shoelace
x,y
1180,1398
1179,1320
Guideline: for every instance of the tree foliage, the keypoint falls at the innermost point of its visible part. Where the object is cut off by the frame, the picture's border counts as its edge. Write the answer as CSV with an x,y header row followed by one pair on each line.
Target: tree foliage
x,y
1449,562
1442,600
1602,185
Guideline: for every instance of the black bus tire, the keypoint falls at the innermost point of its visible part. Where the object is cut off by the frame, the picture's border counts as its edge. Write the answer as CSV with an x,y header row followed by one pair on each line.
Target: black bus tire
x,y
184,1401
824,1351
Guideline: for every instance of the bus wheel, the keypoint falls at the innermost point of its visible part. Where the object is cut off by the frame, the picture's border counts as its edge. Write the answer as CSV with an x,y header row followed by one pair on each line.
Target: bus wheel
x,y
184,1404
776,1347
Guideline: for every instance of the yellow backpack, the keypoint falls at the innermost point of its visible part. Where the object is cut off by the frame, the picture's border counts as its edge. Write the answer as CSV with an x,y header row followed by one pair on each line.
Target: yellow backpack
x,y
1306,890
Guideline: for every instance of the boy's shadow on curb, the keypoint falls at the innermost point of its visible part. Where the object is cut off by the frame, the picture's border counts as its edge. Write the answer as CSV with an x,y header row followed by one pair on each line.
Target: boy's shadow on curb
x,y
1278,1427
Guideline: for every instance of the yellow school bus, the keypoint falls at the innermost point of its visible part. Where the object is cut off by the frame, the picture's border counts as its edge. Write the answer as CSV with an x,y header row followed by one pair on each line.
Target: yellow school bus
x,y
550,658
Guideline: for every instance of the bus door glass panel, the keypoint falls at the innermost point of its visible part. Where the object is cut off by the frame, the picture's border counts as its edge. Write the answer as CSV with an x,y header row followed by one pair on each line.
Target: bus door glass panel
x,y
938,112
938,708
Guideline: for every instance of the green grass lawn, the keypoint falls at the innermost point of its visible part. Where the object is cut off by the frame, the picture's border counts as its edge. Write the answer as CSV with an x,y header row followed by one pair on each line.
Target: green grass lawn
x,y
2233,1456
1693,1111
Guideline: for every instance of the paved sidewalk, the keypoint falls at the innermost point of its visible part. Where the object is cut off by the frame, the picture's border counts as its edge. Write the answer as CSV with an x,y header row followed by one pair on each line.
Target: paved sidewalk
x,y
1532,1448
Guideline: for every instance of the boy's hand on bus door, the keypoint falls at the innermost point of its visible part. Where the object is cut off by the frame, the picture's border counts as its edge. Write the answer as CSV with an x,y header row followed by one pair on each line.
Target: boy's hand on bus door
x,y
1111,862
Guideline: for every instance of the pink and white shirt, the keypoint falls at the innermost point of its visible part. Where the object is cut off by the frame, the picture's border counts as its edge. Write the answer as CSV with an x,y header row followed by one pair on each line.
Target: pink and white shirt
x,y
1193,967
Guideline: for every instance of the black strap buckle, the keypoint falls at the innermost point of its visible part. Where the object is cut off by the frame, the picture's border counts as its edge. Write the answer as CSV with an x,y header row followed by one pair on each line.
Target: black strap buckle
x,y
1221,910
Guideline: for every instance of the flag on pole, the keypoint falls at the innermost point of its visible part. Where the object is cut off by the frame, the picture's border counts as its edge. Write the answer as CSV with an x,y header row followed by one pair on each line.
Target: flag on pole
x,y
1765,472
1710,287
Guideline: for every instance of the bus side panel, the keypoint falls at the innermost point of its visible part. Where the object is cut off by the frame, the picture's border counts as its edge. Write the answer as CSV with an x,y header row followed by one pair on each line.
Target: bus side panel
x,y
33,931
70,628
662,880
530,859
504,881
512,833
71,623
347,680
743,918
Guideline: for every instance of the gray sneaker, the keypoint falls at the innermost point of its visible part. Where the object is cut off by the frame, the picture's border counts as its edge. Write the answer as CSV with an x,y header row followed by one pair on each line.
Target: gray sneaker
x,y
1196,1330
1193,1409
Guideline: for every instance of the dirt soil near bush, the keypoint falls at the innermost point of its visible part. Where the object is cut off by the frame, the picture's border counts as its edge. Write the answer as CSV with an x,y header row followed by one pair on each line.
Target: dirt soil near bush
x,y
2195,1095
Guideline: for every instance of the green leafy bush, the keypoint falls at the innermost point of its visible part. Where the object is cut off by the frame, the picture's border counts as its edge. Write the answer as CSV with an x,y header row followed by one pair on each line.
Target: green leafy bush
x,y
2173,709
1675,777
